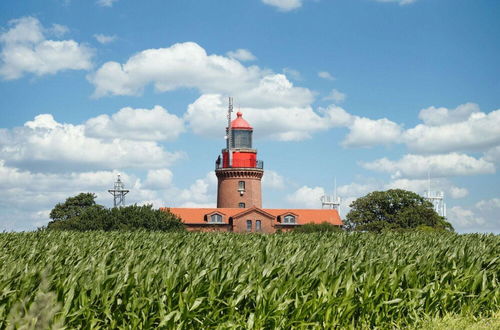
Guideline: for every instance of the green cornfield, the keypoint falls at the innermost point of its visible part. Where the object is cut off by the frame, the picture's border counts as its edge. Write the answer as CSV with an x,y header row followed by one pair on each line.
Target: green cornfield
x,y
141,280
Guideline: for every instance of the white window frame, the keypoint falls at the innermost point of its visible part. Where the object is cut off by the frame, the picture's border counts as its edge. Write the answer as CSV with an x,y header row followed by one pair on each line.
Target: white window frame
x,y
217,217
289,219
241,186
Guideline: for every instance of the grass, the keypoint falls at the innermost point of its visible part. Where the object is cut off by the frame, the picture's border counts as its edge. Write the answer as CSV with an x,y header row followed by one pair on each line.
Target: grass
x,y
187,280
461,322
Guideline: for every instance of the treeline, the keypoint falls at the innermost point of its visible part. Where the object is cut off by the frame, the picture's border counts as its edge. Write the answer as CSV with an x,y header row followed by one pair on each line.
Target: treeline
x,y
81,213
378,211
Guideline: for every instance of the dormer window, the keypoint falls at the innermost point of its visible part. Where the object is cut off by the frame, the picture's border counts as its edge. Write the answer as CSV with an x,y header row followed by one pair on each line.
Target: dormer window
x,y
289,219
215,218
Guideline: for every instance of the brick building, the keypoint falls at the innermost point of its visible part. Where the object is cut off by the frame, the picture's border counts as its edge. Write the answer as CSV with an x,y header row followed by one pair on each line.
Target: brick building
x,y
239,196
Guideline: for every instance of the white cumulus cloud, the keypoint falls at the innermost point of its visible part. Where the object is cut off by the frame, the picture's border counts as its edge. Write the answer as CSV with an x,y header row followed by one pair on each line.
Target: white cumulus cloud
x,y
493,154
326,75
25,49
481,217
292,73
106,3
336,96
207,117
306,197
241,55
201,193
104,39
284,5
273,180
45,144
433,116
158,179
490,204
156,124
365,132
461,218
420,186
400,2
462,129
418,166
187,65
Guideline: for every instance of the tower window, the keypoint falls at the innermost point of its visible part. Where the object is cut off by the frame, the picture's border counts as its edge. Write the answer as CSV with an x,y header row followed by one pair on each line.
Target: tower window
x,y
249,225
216,218
242,139
241,205
258,225
289,219
241,186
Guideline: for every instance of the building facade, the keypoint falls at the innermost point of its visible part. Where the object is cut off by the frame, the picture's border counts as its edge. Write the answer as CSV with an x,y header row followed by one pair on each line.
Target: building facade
x,y
239,194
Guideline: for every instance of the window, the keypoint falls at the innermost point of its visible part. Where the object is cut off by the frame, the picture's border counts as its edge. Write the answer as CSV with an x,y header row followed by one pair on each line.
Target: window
x,y
258,226
241,186
242,139
216,218
249,225
241,205
289,219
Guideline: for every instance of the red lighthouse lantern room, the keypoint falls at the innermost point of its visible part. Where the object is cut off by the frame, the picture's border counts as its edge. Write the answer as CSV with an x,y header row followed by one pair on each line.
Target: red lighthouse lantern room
x,y
239,172
242,154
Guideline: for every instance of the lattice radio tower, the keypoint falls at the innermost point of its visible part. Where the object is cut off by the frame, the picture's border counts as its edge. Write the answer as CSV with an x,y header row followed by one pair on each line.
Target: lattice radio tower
x,y
118,193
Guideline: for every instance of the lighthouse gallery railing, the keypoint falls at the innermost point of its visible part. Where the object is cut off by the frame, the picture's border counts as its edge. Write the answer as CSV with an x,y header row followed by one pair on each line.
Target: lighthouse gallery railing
x,y
259,164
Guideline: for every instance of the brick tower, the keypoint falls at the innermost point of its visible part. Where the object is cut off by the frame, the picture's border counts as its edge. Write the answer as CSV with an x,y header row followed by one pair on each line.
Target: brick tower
x,y
239,173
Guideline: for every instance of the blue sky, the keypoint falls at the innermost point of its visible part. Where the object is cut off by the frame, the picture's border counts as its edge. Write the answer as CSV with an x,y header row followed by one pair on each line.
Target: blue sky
x,y
376,93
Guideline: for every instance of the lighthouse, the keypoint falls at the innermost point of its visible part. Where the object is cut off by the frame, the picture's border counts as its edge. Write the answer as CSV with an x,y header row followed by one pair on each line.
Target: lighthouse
x,y
239,197
239,173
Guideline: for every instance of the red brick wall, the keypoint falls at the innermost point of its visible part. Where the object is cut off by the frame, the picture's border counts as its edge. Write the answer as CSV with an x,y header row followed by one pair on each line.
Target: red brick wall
x,y
208,228
228,195
240,224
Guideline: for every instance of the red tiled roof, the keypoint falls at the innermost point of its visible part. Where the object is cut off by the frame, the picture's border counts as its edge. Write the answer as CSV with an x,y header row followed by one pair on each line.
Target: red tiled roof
x,y
310,215
304,216
197,215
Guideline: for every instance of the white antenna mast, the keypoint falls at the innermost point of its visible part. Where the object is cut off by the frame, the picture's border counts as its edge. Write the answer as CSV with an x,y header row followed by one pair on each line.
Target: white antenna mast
x,y
335,188
435,197
331,202
429,181
229,132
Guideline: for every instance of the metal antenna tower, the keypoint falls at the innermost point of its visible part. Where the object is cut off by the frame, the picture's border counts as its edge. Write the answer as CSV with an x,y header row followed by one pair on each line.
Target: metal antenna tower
x,y
118,192
435,197
229,132
331,202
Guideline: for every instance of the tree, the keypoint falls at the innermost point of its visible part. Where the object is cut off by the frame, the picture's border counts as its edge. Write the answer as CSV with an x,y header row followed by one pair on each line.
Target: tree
x,y
82,213
392,210
74,206
318,228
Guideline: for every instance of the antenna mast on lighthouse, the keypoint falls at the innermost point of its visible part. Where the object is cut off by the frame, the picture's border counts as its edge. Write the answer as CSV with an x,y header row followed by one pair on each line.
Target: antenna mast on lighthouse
x,y
229,132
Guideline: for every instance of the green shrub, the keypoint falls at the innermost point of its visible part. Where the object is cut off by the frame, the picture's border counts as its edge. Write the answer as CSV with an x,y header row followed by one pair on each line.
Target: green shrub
x,y
318,227
120,218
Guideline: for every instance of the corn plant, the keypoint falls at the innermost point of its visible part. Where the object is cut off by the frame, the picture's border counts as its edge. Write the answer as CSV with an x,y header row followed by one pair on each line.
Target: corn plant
x,y
146,280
